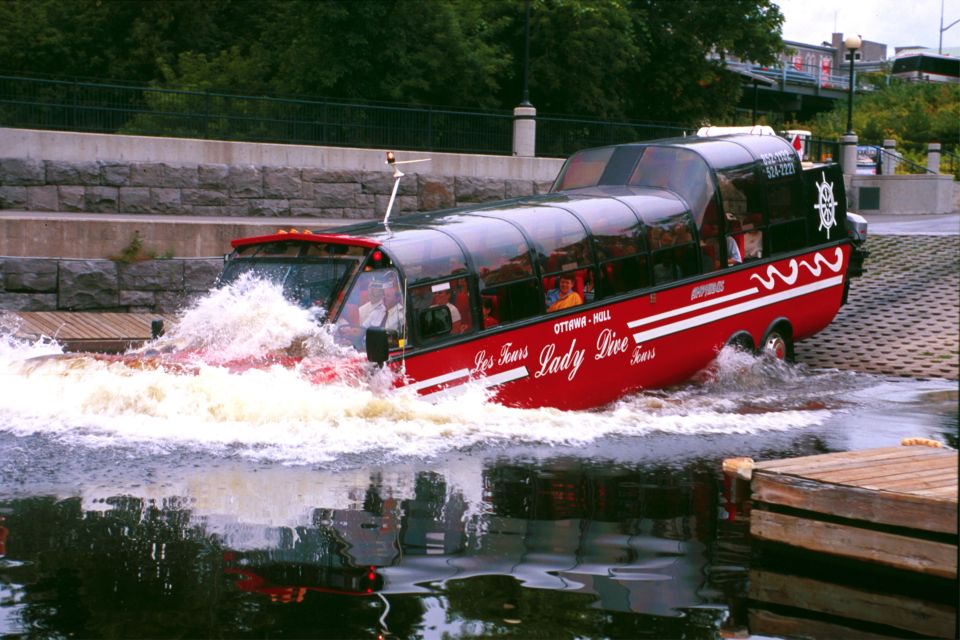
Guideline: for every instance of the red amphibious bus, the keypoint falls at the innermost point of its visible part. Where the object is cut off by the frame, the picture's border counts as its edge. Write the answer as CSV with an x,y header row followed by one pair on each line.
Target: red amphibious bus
x,y
639,265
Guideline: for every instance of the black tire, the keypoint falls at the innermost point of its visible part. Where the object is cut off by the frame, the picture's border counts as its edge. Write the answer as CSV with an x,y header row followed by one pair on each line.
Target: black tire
x,y
741,342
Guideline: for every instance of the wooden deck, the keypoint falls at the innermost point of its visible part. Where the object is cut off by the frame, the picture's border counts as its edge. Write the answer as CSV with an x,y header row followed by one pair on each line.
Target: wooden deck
x,y
80,331
895,506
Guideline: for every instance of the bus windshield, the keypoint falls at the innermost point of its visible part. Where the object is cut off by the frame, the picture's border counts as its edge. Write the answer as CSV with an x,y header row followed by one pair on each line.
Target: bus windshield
x,y
309,280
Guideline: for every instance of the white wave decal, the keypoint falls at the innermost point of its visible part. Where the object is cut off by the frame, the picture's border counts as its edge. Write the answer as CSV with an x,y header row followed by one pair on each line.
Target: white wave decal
x,y
815,269
773,271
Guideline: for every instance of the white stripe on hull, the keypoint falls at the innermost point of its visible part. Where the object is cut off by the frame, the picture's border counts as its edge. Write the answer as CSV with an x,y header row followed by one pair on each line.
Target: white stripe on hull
x,y
733,310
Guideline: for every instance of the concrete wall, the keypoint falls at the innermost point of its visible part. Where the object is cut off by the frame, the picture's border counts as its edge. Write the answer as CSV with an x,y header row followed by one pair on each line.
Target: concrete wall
x,y
86,147
83,195
50,284
902,194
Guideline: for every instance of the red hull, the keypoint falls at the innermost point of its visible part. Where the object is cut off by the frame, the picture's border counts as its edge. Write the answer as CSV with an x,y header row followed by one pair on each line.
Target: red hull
x,y
594,354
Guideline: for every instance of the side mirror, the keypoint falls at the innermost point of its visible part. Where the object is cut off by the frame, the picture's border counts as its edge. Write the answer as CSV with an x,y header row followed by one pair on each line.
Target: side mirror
x,y
435,321
378,345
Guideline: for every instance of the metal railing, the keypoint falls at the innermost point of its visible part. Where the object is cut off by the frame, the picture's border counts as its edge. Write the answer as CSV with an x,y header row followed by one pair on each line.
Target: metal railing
x,y
116,108
805,75
876,160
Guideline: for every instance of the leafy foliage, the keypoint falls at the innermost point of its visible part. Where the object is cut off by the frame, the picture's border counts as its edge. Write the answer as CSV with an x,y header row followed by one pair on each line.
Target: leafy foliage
x,y
631,59
907,112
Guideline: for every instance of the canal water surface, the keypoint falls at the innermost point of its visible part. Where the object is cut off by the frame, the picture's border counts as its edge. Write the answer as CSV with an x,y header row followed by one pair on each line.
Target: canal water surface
x,y
155,502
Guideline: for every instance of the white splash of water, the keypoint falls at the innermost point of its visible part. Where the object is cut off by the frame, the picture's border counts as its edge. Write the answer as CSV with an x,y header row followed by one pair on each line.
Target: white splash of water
x,y
277,414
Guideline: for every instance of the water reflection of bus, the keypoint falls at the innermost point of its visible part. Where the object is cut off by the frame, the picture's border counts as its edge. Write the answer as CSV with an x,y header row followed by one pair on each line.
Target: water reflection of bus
x,y
642,262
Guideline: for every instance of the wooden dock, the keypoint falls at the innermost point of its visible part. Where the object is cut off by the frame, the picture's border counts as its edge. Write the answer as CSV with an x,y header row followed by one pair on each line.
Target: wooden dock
x,y
89,331
895,506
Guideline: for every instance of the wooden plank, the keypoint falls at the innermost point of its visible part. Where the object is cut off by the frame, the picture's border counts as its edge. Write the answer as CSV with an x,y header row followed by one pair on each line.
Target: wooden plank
x,y
902,552
888,508
914,485
914,615
889,463
766,623
47,324
91,331
786,463
846,460
931,466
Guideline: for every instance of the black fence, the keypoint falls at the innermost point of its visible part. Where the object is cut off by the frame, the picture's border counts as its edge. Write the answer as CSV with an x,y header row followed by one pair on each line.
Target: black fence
x,y
115,108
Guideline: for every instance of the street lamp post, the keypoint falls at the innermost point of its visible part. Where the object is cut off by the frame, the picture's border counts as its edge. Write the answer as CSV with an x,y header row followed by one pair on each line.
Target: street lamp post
x,y
851,43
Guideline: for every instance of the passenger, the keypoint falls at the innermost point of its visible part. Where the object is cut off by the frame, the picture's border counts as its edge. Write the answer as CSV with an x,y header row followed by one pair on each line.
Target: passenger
x,y
442,297
733,252
488,319
373,312
563,296
588,290
394,317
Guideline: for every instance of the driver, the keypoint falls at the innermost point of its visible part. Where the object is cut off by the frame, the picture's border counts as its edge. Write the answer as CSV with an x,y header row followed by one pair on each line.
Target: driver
x,y
381,309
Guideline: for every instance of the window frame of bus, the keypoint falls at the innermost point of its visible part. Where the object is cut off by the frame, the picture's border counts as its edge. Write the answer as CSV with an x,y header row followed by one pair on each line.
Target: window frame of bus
x,y
550,245
619,240
787,229
502,262
726,157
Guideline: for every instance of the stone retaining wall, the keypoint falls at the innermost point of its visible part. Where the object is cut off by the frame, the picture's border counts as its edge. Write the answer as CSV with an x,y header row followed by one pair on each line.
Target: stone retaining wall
x,y
155,286
109,186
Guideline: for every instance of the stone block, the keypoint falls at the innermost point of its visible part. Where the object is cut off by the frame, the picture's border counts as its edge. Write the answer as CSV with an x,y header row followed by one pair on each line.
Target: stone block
x,y
180,176
21,172
201,274
42,198
436,192
324,175
380,183
269,207
72,198
203,197
365,201
137,299
517,188
151,275
542,187
115,174
13,197
29,275
146,174
72,173
28,302
477,190
165,200
326,195
101,199
245,181
87,284
133,200
212,176
282,182
402,205
169,301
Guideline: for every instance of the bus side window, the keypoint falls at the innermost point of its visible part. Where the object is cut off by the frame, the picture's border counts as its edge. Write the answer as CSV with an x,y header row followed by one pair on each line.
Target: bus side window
x,y
515,301
743,204
620,276
675,255
442,308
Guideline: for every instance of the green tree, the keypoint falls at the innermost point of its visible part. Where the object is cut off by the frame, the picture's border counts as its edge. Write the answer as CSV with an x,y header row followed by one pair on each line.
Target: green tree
x,y
613,59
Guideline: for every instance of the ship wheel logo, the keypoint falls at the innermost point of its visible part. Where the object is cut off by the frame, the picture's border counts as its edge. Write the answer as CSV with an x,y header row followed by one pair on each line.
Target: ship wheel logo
x,y
826,205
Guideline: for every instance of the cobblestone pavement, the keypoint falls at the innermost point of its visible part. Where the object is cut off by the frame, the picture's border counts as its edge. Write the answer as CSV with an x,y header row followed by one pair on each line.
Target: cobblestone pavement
x,y
901,316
